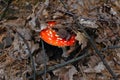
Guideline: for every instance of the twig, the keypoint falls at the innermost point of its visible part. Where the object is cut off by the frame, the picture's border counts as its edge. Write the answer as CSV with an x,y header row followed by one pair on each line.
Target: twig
x,y
98,52
5,10
110,47
45,67
65,6
66,12
94,46
60,65
83,73
30,53
106,1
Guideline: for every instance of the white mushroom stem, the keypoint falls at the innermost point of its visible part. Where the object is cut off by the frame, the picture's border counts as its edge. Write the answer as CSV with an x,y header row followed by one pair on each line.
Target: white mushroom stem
x,y
64,52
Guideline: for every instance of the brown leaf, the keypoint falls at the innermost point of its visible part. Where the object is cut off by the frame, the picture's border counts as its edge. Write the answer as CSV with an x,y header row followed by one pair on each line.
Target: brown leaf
x,y
88,23
82,39
18,22
97,69
65,73
2,33
40,58
93,61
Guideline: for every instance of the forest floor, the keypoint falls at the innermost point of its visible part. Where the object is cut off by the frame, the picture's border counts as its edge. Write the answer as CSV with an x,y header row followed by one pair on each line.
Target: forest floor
x,y
81,41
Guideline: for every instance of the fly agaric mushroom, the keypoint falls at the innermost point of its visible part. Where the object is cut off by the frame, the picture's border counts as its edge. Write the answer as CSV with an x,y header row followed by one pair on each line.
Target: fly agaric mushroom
x,y
51,37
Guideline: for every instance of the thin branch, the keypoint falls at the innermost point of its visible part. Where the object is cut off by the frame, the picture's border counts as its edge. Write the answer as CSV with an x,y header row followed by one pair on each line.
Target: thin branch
x,y
5,10
65,6
60,65
94,46
45,62
30,53
110,47
98,52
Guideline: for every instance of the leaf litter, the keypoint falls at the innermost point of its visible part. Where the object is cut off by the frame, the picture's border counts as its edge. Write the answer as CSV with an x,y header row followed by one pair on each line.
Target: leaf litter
x,y
100,20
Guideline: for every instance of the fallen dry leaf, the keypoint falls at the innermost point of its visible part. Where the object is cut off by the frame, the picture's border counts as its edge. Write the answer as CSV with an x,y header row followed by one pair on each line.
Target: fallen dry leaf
x,y
15,23
82,39
2,33
89,23
101,18
97,69
65,73
2,73
48,76
117,52
40,57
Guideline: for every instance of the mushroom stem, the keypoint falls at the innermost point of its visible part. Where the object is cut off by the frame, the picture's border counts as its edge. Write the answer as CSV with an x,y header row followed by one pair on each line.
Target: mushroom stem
x,y
64,52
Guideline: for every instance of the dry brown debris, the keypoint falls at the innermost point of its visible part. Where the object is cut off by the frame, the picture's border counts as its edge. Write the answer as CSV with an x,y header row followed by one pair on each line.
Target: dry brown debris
x,y
100,19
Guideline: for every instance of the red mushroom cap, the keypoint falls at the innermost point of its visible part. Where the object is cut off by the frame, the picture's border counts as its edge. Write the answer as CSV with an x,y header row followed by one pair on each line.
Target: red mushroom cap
x,y
51,23
50,36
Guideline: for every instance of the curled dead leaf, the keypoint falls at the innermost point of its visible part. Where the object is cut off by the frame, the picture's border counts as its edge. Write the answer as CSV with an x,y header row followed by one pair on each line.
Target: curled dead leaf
x,y
81,39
